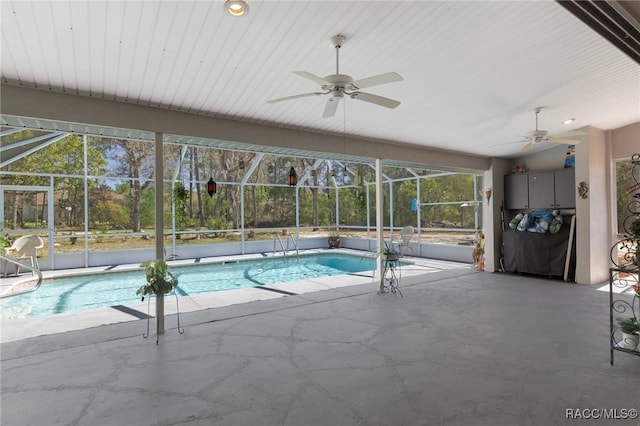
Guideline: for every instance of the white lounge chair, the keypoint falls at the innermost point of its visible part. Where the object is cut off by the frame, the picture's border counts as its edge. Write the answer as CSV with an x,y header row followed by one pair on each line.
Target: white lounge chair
x,y
23,249
405,237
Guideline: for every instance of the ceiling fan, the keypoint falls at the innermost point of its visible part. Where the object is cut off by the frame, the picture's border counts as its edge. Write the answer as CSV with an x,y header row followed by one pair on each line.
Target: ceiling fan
x,y
537,136
337,85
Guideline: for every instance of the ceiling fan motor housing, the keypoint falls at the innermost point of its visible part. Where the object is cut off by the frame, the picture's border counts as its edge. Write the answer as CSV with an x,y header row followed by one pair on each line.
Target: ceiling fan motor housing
x,y
537,134
338,82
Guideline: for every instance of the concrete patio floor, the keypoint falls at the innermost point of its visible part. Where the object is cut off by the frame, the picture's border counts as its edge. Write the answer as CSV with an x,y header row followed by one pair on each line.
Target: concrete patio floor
x,y
461,347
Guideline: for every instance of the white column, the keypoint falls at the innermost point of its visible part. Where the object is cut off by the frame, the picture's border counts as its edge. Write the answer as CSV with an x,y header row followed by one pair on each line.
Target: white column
x,y
593,212
159,170
242,216
494,179
297,216
379,217
86,201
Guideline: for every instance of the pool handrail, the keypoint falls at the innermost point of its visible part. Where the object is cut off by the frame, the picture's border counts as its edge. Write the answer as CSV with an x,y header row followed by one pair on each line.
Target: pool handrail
x,y
285,250
290,237
16,262
278,239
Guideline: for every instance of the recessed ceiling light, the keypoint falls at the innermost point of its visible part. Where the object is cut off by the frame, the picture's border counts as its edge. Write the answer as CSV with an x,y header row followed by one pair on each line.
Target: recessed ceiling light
x,y
237,7
569,121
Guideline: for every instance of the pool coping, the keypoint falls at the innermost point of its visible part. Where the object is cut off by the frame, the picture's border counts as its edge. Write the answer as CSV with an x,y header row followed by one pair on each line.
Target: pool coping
x,y
21,328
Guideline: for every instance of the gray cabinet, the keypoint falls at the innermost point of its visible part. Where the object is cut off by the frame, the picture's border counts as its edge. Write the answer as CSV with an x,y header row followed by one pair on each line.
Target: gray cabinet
x,y
565,188
540,190
516,192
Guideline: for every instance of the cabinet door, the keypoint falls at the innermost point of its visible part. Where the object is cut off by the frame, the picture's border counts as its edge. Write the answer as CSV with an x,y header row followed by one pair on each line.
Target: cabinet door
x,y
516,192
541,190
565,188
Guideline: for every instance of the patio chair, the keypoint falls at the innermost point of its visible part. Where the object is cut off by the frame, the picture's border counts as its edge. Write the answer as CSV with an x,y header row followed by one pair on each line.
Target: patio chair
x,y
405,237
23,249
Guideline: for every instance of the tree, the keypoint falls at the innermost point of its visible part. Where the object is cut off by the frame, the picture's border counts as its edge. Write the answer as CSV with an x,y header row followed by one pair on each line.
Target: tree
x,y
135,160
64,157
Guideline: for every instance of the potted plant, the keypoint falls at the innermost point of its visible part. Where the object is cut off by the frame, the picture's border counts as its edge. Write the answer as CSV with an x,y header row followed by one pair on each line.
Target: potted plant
x,y
390,251
334,239
630,332
634,229
159,280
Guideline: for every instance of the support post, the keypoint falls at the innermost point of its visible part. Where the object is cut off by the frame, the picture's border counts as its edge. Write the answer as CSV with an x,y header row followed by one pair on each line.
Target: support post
x,y
159,222
379,219
86,201
297,216
242,217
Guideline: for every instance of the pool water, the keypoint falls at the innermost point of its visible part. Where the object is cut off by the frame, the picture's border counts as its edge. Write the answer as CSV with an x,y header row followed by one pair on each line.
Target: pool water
x,y
75,293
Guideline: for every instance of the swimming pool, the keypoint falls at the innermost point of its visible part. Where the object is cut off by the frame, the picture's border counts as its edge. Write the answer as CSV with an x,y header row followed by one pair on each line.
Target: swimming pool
x,y
74,293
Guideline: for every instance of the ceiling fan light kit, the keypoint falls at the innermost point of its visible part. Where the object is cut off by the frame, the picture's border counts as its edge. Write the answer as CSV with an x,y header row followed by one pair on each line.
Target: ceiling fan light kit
x,y
337,85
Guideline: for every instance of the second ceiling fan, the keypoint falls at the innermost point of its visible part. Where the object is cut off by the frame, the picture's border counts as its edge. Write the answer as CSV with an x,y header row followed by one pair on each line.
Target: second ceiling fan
x,y
537,136
338,85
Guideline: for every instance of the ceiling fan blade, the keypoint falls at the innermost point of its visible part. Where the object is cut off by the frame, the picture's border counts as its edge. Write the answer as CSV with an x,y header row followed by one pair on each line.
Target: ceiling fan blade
x,y
507,143
568,134
527,147
376,80
331,107
374,99
312,77
564,141
288,98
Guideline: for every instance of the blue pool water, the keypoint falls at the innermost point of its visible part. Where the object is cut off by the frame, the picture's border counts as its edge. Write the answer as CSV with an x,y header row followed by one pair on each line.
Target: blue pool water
x,y
119,288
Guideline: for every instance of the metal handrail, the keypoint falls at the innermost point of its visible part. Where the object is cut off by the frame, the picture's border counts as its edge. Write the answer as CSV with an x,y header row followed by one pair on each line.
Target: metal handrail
x,y
20,265
277,238
295,245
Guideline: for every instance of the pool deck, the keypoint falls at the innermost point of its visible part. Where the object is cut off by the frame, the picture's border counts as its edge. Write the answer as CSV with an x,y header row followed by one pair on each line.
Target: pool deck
x,y
462,347
21,328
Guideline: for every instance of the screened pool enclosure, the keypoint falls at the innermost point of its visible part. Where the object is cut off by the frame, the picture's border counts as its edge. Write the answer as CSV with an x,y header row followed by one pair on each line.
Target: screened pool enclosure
x,y
91,198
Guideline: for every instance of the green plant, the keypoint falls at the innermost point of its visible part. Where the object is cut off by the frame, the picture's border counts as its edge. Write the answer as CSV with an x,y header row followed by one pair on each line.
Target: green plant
x,y
334,239
4,240
389,248
181,198
392,250
629,325
634,229
159,280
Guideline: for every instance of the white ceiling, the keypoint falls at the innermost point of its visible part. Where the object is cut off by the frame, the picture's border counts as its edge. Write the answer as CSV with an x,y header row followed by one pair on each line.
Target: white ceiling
x,y
473,71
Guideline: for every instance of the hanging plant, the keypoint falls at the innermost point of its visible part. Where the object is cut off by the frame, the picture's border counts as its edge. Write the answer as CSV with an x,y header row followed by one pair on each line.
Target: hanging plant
x,y
180,192
181,198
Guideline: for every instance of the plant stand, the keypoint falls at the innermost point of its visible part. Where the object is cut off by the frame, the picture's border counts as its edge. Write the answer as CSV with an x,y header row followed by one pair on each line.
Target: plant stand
x,y
390,280
160,315
622,305
624,277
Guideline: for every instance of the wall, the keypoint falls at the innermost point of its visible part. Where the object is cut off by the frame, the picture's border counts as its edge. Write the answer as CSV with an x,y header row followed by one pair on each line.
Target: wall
x,y
548,159
625,141
492,228
593,213
455,253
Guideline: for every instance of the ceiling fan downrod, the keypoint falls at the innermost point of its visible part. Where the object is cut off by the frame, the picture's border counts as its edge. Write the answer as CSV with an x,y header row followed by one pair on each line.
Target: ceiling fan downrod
x,y
537,110
338,41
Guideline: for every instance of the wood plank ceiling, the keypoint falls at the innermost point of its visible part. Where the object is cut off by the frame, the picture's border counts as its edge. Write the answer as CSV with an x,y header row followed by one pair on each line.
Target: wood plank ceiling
x,y
473,71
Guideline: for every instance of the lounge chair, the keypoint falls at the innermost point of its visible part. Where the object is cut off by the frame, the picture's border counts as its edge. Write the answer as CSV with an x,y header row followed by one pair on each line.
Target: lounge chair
x,y
23,249
405,237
